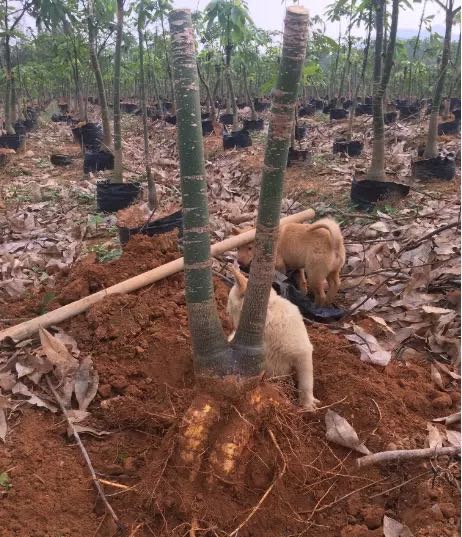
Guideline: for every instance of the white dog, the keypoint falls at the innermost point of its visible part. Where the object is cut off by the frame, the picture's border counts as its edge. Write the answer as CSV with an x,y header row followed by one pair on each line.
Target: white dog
x,y
286,342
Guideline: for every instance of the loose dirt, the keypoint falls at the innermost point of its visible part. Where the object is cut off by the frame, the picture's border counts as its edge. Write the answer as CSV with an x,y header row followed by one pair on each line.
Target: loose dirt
x,y
140,347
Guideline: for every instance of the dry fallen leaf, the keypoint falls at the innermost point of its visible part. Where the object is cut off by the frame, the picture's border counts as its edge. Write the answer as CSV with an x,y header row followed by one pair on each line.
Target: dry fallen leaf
x,y
86,383
436,377
339,431
434,438
393,528
4,404
371,350
453,437
21,389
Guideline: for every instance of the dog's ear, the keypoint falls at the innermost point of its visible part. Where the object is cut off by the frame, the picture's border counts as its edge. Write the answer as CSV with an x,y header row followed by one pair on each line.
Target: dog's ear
x,y
241,280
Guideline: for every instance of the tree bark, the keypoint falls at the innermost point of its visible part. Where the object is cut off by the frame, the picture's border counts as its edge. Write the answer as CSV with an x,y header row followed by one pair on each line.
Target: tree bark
x,y
431,146
117,175
152,195
248,342
210,348
107,134
213,114
381,78
231,102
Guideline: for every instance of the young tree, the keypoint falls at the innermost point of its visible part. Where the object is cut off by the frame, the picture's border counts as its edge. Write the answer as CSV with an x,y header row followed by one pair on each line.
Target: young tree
x,y
234,19
211,351
141,21
117,176
376,171
431,146
92,39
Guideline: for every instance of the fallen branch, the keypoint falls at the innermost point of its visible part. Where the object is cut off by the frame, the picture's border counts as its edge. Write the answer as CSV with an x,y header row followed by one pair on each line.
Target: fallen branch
x,y
414,244
405,454
28,328
122,529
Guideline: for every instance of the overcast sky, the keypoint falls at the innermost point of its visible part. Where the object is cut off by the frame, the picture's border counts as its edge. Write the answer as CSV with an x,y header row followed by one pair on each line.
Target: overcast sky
x,y
269,14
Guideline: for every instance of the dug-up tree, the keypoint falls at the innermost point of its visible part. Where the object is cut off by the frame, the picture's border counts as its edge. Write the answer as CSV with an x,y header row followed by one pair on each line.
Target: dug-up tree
x,y
213,356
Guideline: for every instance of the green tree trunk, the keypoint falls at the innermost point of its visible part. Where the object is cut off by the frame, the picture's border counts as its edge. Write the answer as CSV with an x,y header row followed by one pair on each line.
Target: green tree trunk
x,y
248,342
360,83
117,176
211,352
414,50
381,78
152,195
8,86
213,113
247,92
431,146
107,134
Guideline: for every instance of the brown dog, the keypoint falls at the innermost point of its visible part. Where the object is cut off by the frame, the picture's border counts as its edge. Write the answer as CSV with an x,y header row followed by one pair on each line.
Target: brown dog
x,y
315,249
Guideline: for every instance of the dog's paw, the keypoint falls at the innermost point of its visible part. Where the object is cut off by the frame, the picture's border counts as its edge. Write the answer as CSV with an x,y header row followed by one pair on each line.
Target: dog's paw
x,y
311,404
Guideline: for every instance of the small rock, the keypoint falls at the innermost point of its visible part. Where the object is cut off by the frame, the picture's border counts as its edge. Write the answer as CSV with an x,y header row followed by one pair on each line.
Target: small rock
x,y
373,516
139,350
119,383
113,469
436,512
448,509
391,446
129,465
104,390
370,234
442,401
29,153
410,354
354,531
134,391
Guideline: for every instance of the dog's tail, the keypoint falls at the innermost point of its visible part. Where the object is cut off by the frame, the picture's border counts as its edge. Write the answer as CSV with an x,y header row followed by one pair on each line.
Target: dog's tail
x,y
335,234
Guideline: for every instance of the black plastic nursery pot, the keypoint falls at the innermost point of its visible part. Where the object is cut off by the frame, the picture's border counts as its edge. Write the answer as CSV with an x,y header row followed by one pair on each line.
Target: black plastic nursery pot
x,y
351,148
326,109
237,139
261,106
226,119
306,110
365,192
63,108
296,156
170,119
253,124
442,168
347,104
112,197
60,160
12,141
98,161
60,118
390,117
408,111
300,132
454,104
450,127
368,101
128,108
20,128
30,124
207,127
157,227
88,135
205,115
318,104
338,113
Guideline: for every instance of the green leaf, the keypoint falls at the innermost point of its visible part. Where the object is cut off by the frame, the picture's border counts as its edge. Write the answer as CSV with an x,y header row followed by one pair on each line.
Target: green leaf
x,y
5,481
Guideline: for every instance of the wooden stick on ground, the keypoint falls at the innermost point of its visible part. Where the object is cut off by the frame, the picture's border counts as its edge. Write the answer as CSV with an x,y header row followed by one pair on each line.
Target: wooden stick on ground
x,y
122,529
405,454
28,328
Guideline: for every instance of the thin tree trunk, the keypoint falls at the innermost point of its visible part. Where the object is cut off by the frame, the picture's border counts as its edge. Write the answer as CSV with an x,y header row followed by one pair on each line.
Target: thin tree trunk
x,y
169,67
361,78
231,102
416,46
249,97
117,175
152,195
107,134
431,146
213,114
210,348
248,342
8,86
377,170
